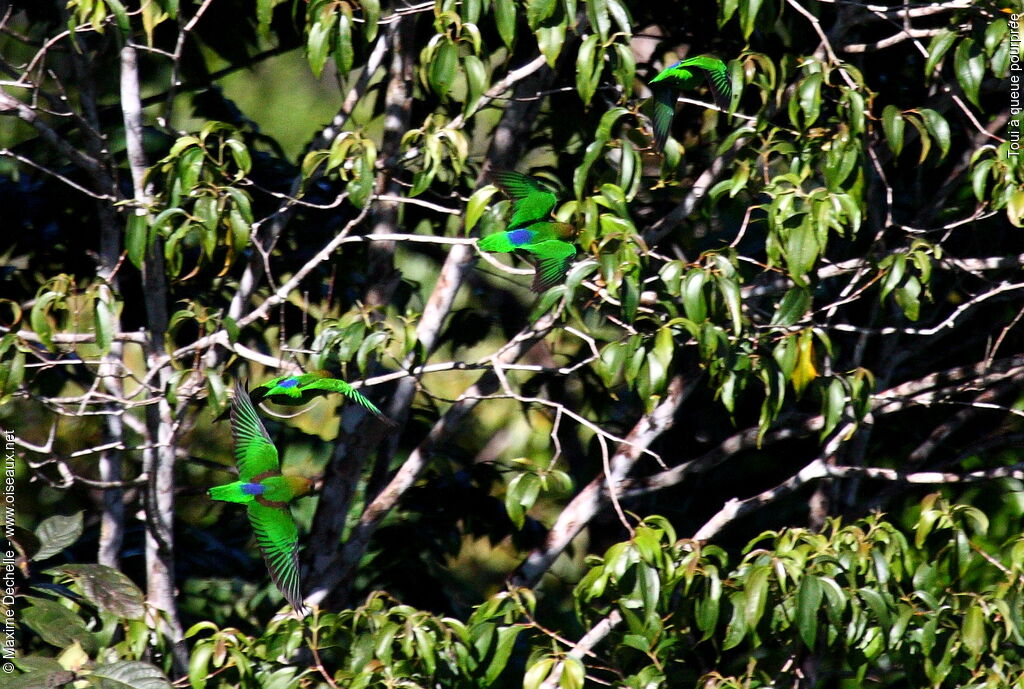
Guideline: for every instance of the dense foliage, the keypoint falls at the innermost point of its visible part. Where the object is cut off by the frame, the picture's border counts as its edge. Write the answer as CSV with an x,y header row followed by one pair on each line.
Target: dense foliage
x,y
665,472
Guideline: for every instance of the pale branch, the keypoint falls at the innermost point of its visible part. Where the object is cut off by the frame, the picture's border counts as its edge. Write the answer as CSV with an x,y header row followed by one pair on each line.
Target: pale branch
x,y
889,41
392,198
595,635
713,106
938,436
973,265
906,10
587,503
131,108
819,469
505,84
945,325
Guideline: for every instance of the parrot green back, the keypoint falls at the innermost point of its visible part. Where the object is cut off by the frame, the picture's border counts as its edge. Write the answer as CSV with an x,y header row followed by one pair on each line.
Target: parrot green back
x,y
531,200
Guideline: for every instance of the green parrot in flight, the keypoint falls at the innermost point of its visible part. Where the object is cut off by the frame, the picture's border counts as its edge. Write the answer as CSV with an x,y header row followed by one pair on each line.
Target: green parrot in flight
x,y
266,494
683,76
531,229
295,390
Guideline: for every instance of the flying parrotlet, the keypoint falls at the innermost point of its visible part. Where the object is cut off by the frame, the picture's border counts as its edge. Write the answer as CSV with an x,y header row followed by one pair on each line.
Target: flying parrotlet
x,y
266,494
682,76
530,229
294,390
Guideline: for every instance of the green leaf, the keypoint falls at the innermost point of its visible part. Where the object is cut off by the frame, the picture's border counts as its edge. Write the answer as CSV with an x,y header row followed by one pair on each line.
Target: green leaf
x,y
55,624
737,628
128,674
694,303
551,39
120,15
597,14
361,185
809,94
833,404
892,124
239,154
625,68
707,609
371,13
748,16
199,664
136,238
12,373
878,605
344,55
896,269
573,673
801,250
539,10
756,588
264,13
792,308
103,320
938,128
505,19
502,651
908,297
970,68
106,588
588,68
808,600
1015,208
610,364
40,319
973,629
57,533
630,293
318,43
538,672
939,46
476,81
442,68
477,204
730,291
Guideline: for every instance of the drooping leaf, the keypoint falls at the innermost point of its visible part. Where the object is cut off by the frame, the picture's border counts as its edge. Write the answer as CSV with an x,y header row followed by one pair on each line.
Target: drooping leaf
x,y
57,533
107,588
128,674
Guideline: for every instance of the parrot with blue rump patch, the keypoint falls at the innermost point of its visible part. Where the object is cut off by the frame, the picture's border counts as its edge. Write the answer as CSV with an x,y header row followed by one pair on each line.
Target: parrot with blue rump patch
x,y
531,230
266,493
